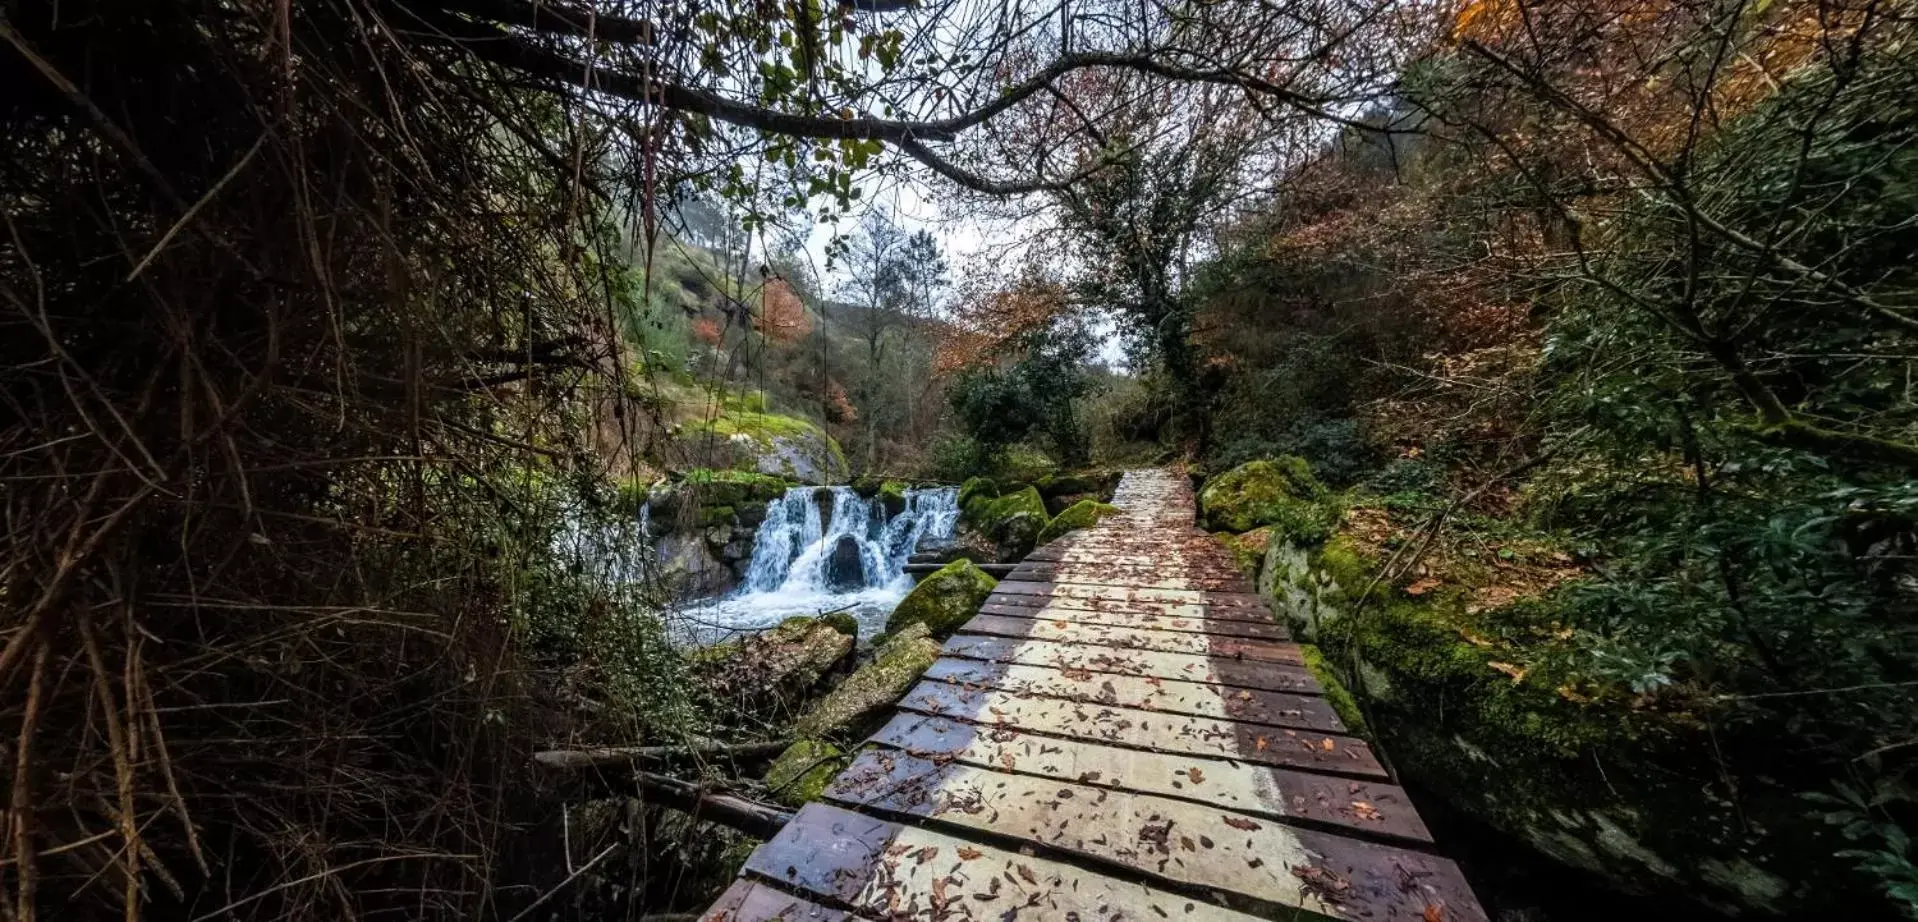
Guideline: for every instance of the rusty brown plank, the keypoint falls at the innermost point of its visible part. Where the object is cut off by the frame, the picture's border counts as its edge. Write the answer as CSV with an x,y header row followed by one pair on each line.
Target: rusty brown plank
x,y
1175,840
1254,614
1140,729
1256,630
886,870
1059,630
1130,594
1371,808
752,901
1303,712
1184,666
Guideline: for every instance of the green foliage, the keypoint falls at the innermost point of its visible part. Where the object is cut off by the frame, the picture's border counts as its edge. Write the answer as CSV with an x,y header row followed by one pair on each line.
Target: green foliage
x,y
1035,397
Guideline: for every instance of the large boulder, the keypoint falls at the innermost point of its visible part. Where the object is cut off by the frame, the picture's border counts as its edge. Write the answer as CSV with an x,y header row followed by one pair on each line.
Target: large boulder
x,y
944,600
1281,493
773,672
689,567
801,773
1082,514
1012,521
866,696
845,571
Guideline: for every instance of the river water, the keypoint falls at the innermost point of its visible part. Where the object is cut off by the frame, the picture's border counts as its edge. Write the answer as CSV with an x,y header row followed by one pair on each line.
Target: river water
x,y
794,570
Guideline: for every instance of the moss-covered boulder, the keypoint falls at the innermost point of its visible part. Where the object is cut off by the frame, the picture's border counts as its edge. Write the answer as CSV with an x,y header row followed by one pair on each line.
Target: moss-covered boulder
x,y
801,773
1248,550
1083,514
866,695
975,490
1099,483
946,599
843,622
1475,678
1012,521
892,495
1281,493
774,672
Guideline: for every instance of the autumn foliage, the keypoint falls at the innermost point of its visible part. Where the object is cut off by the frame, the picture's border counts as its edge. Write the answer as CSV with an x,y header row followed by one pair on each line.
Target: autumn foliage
x,y
782,315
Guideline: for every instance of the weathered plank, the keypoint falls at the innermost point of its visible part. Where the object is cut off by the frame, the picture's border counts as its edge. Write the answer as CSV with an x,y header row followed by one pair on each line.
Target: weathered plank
x,y
1256,615
1175,840
1229,627
889,871
1369,808
1171,696
1140,729
1185,666
1129,594
1059,630
751,901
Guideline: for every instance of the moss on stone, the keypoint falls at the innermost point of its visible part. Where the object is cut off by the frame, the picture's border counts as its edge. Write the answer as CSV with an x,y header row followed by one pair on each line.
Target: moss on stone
x,y
1248,550
801,773
868,693
944,600
1281,493
974,491
1012,521
843,622
1336,694
1098,482
892,495
776,437
1082,514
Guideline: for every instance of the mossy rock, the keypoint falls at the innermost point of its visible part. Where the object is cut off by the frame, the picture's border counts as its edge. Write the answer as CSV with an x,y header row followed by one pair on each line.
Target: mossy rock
x,y
771,443
1012,521
976,489
892,495
1281,493
714,490
1097,483
843,622
1248,550
1082,514
870,692
1336,694
773,671
630,495
946,599
801,773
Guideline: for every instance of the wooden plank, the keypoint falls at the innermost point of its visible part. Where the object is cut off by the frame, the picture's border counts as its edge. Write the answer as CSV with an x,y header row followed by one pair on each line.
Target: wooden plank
x,y
1129,594
1140,729
1371,808
752,901
1302,712
1058,630
1225,627
1175,840
1254,614
1114,573
1184,666
886,870
1125,581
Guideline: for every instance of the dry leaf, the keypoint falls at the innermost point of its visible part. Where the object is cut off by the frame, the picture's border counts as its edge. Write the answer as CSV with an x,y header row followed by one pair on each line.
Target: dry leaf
x,y
1327,744
967,853
1239,823
1196,775
1434,912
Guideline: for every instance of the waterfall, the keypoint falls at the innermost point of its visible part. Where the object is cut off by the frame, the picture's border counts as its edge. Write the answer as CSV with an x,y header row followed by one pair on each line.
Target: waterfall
x,y
797,549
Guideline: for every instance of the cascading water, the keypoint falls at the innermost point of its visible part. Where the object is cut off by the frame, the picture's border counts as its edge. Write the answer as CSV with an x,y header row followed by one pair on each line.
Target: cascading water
x,y
847,556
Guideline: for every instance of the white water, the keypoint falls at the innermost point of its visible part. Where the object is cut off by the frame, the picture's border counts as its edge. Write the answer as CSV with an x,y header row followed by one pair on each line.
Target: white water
x,y
792,554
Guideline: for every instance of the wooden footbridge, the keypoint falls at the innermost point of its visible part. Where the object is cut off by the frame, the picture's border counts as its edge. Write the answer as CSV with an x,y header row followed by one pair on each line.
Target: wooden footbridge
x,y
1124,732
